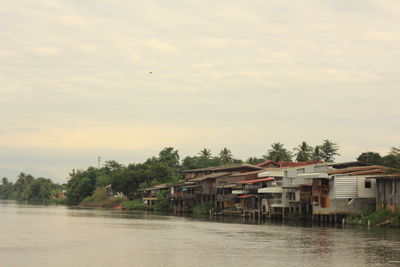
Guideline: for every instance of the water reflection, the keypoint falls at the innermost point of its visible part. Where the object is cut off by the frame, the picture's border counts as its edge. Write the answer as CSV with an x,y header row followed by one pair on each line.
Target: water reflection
x,y
70,236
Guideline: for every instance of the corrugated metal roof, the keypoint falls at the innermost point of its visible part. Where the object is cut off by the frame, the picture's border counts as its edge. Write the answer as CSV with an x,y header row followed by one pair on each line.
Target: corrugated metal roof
x,y
222,168
256,181
271,190
288,163
355,169
210,176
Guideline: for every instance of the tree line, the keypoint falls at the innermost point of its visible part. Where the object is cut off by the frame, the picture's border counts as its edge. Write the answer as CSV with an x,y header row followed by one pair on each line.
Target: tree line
x,y
27,187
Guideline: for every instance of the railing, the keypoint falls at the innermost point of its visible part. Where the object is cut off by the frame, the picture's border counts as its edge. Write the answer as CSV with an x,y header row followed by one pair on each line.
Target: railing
x,y
181,195
275,201
225,197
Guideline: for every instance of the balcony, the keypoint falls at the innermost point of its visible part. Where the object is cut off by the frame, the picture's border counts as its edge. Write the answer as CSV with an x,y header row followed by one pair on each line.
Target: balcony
x,y
225,197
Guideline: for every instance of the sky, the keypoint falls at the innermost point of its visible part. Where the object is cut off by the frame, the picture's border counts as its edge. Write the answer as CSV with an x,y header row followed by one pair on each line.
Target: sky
x,y
124,79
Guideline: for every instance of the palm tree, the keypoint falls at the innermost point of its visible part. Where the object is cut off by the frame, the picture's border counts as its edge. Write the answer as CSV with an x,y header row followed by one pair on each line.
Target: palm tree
x,y
278,153
303,152
205,153
226,155
395,151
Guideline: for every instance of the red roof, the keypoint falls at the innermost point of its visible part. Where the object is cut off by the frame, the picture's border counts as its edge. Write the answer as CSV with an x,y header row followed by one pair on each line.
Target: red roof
x,y
257,180
245,196
360,169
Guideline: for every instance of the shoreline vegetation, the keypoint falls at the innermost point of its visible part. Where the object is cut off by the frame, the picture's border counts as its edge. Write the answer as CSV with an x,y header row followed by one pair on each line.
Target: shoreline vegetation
x,y
115,185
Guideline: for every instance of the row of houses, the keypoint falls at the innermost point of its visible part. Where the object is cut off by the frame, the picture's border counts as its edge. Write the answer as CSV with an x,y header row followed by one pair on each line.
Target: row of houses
x,y
316,190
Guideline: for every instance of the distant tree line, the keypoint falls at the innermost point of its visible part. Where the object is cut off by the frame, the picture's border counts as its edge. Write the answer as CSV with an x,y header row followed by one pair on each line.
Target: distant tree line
x,y
392,159
29,188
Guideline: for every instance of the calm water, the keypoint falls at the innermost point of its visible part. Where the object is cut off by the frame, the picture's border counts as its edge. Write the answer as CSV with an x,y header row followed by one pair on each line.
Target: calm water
x,y
32,235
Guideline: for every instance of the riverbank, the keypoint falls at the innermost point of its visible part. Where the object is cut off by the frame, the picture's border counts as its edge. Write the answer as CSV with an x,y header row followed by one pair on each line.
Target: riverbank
x,y
382,218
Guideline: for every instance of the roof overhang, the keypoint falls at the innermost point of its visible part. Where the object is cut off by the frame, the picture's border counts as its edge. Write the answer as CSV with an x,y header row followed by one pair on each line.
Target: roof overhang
x,y
270,174
314,175
270,190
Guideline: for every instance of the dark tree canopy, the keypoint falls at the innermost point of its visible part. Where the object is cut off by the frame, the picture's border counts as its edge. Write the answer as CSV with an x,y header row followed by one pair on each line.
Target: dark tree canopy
x,y
370,158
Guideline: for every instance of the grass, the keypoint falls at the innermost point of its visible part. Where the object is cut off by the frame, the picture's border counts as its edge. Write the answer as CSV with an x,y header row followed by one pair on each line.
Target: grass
x,y
375,218
203,208
136,204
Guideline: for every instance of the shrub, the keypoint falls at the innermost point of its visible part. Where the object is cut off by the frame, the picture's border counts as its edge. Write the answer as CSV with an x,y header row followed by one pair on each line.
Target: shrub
x,y
136,204
203,208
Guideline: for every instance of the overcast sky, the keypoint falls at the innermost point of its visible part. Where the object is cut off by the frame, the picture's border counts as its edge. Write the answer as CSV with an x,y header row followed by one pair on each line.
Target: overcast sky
x,y
75,78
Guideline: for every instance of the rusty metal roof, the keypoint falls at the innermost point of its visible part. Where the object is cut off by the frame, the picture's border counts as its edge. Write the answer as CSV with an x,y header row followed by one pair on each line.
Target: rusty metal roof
x,y
257,180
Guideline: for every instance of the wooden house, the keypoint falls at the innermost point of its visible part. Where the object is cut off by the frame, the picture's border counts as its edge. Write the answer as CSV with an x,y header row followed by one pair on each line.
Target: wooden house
x,y
149,195
338,192
237,168
388,191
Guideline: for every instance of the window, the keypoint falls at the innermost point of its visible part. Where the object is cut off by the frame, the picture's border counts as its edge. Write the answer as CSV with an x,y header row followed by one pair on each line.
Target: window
x,y
367,184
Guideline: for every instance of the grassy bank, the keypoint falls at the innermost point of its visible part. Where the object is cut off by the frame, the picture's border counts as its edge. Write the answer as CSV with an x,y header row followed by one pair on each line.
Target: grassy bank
x,y
377,218
100,198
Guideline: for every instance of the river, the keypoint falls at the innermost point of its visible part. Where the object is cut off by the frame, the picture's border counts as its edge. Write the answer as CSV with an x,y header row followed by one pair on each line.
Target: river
x,y
38,235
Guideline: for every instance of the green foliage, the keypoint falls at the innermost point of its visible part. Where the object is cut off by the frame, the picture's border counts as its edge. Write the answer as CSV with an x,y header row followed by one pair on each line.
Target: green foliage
x,y
317,153
303,152
254,160
197,162
203,208
39,189
370,158
205,153
329,150
28,187
81,185
100,194
136,204
125,179
392,161
278,153
226,155
6,189
162,203
100,198
376,218
169,156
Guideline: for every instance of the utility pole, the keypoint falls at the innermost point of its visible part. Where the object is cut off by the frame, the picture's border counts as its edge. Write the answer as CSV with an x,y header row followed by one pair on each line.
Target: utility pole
x,y
98,161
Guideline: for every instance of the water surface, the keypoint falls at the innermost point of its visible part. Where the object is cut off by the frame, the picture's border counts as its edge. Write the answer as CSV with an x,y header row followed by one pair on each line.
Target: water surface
x,y
35,235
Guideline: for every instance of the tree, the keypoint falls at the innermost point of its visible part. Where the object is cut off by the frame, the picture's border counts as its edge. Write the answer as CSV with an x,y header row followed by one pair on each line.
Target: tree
x,y
392,161
6,189
226,156
205,154
370,158
169,156
278,153
39,189
23,181
254,160
329,150
395,151
303,152
317,153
